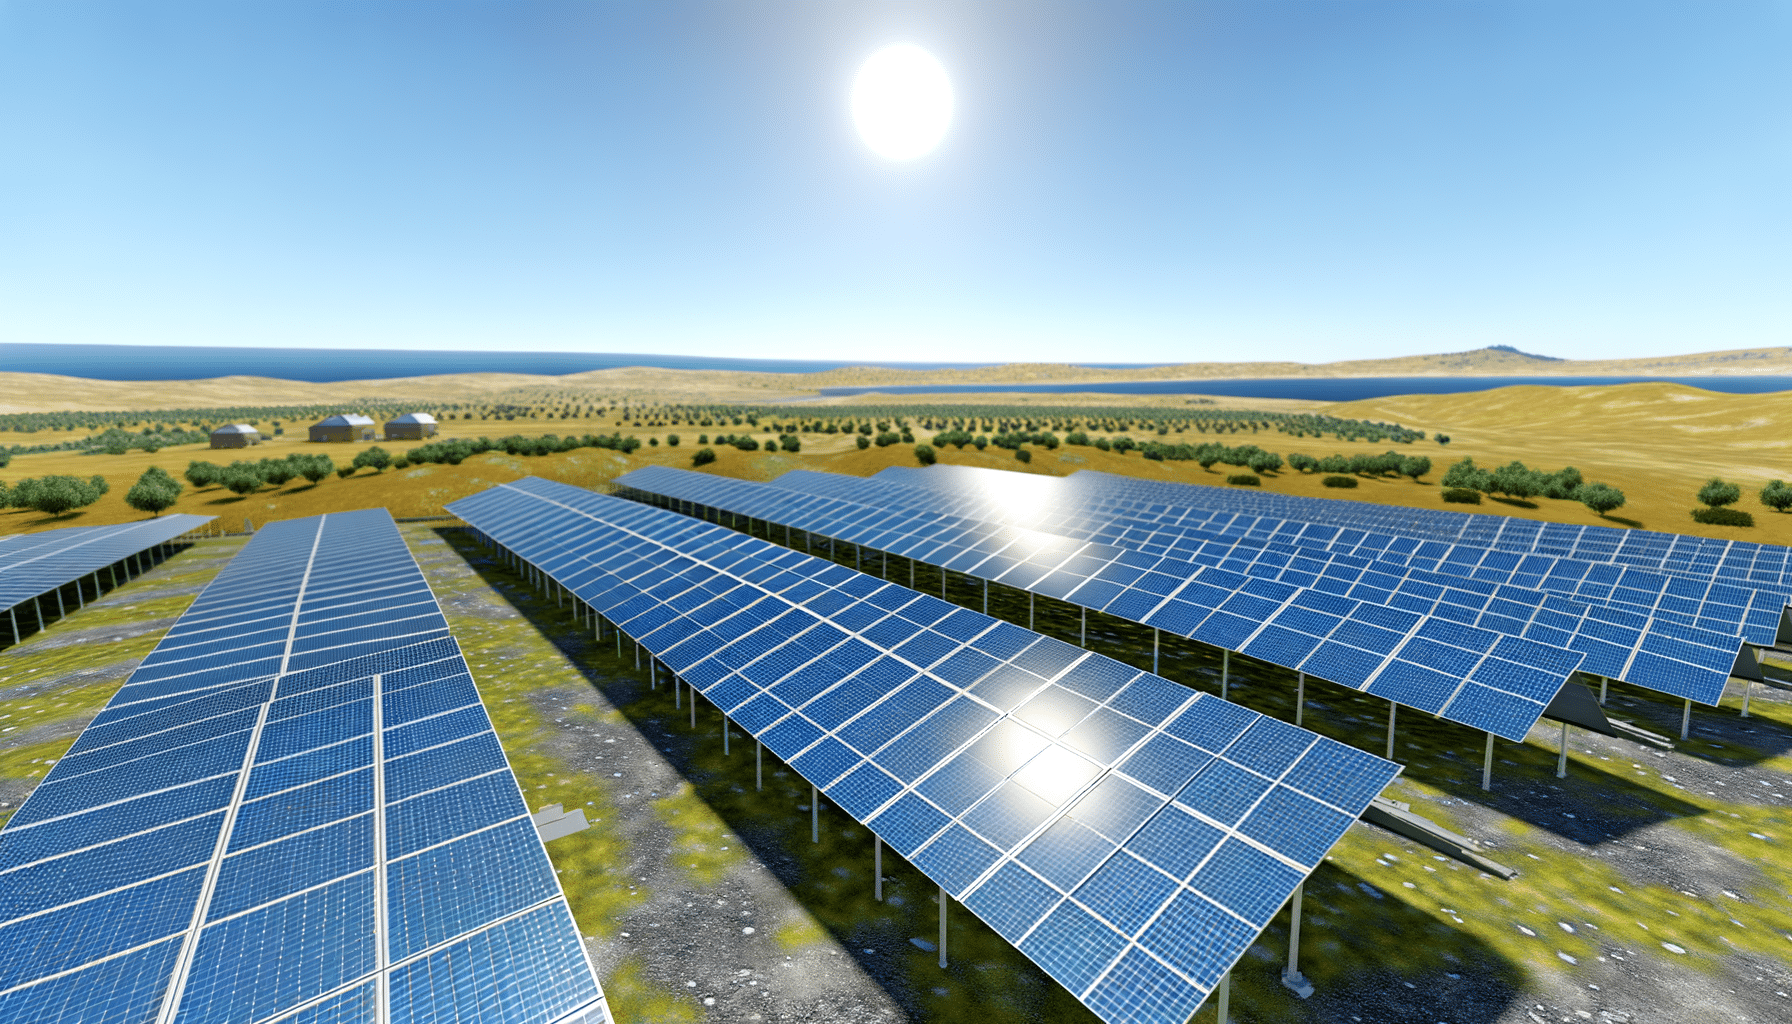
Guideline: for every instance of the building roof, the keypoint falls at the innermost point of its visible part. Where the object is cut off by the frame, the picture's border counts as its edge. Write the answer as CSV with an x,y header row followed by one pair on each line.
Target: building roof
x,y
353,419
413,417
236,428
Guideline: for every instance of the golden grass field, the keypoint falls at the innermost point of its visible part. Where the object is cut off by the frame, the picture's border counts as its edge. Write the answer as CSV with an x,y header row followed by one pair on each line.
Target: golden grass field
x,y
1656,442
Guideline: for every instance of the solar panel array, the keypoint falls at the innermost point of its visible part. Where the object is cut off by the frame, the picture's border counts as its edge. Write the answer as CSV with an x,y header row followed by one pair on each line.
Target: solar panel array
x,y
1110,513
1742,563
1445,650
1129,835
1739,564
1680,637
295,809
37,563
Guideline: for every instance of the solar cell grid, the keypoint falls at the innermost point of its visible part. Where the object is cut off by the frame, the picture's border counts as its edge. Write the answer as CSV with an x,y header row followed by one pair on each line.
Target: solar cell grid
x,y
224,809
1207,603
1609,634
1182,532
1015,773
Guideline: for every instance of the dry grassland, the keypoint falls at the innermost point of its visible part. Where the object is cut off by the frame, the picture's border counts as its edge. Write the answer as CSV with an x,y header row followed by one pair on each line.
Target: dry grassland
x,y
1656,442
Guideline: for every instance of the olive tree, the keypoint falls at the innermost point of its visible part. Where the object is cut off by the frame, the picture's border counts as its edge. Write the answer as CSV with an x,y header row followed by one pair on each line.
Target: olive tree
x,y
1716,493
153,492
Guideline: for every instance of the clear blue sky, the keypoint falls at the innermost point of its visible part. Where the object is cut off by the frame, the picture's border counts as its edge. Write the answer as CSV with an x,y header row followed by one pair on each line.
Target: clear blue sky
x,y
1123,182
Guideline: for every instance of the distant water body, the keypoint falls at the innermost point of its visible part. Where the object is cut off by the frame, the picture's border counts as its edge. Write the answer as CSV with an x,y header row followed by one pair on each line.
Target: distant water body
x,y
1325,389
323,366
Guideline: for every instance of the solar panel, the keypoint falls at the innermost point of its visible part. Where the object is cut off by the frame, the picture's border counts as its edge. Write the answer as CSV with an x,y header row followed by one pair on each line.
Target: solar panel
x,y
1179,531
1130,836
1448,651
34,564
1680,637
1735,563
295,809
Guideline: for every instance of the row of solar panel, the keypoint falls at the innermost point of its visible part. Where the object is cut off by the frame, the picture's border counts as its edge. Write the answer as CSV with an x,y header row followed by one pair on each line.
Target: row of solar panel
x,y
1351,637
1742,563
272,792
1618,632
1194,535
37,563
1129,835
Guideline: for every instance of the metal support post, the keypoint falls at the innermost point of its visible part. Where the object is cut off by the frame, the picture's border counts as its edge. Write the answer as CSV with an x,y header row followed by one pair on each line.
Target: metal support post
x,y
814,814
911,574
759,766
1225,676
1082,639
693,696
653,676
877,866
1603,684
725,731
637,657
1225,996
39,605
62,613
13,614
1300,699
986,597
1393,708
1487,765
80,593
943,899
1748,686
1686,720
1156,636
677,694
1562,755
1030,602
1292,979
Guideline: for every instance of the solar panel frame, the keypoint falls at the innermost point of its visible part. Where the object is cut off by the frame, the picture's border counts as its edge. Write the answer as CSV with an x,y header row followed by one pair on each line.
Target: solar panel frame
x,y
850,731
218,843
1700,651
1209,604
35,564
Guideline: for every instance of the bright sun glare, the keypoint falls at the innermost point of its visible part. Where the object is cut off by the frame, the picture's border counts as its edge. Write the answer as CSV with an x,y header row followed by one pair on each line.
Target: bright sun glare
x,y
902,102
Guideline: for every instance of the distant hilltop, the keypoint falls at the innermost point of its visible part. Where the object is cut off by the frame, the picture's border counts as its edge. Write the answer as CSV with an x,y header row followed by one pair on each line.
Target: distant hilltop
x,y
1493,361
42,392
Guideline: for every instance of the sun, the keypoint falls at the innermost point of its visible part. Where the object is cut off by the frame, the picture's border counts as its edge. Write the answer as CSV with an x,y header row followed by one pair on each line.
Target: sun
x,y
902,102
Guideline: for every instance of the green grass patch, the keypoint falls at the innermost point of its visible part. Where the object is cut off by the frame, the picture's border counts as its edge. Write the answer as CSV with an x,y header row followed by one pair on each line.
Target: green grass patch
x,y
632,997
702,849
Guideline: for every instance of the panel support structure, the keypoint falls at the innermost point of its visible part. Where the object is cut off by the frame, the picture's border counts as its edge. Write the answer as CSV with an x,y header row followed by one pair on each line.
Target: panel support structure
x,y
1292,979
1487,765
1393,708
877,866
1686,720
1562,754
1300,703
814,813
944,899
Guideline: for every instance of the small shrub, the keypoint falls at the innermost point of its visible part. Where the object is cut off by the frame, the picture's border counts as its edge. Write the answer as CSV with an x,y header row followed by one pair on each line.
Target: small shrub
x,y
1777,496
345,472
703,457
864,442
1722,517
671,440
1023,455
924,454
1717,494
1252,480
1462,495
1350,481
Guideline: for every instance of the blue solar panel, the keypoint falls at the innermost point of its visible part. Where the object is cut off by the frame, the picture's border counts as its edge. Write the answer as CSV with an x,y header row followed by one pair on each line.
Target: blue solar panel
x,y
1213,604
35,564
1549,556
1009,778
1517,590
1238,596
210,847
